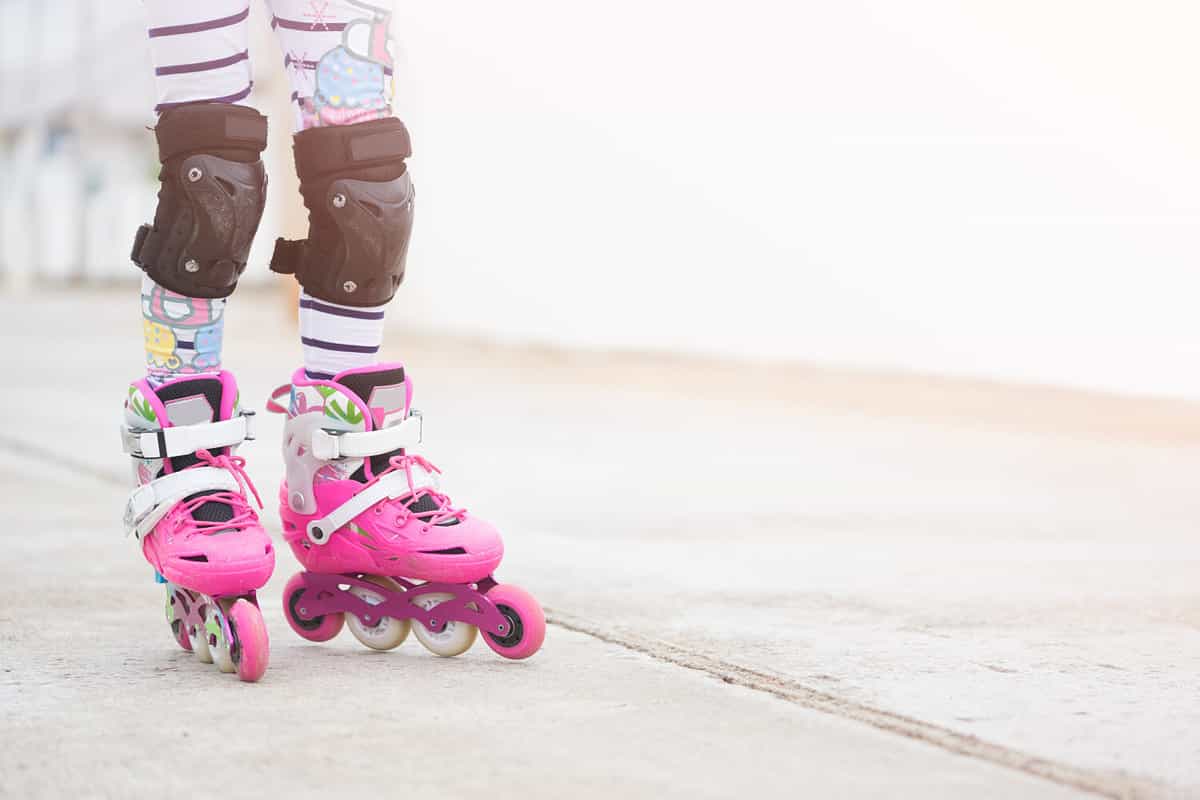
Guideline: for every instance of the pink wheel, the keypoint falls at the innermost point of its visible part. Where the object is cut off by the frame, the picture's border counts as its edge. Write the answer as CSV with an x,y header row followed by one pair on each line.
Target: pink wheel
x,y
527,622
317,629
252,651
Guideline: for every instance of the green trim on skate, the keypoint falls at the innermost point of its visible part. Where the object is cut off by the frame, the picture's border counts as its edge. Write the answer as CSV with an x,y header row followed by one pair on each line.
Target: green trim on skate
x,y
351,415
141,407
213,627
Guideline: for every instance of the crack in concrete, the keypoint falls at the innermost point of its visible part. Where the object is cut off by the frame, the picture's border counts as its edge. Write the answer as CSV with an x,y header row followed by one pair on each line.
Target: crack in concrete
x,y
1106,784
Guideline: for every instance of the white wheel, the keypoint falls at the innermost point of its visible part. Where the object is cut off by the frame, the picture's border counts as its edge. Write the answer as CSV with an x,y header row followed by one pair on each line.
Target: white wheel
x,y
455,639
198,636
386,632
218,645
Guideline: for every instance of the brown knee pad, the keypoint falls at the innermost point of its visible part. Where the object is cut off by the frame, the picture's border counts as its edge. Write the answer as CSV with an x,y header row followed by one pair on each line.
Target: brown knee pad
x,y
212,196
360,201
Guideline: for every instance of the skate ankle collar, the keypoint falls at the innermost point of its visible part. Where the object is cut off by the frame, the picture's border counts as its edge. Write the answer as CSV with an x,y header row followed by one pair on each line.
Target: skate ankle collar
x,y
150,502
391,486
187,439
330,445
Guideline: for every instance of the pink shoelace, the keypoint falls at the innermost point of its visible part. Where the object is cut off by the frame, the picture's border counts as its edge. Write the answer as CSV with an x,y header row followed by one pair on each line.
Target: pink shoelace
x,y
243,514
445,511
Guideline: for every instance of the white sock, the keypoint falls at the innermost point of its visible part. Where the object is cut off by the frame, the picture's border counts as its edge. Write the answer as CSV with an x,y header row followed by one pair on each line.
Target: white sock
x,y
337,337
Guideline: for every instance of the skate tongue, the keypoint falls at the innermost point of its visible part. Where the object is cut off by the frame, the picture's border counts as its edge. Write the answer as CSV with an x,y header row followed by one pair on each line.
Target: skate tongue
x,y
192,401
382,389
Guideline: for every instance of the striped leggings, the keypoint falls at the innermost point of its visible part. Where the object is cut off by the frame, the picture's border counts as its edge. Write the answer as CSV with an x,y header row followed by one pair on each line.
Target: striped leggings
x,y
200,52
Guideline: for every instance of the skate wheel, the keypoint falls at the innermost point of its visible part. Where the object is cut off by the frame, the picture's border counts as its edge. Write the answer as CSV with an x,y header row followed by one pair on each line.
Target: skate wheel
x,y
455,639
382,633
175,622
198,639
526,620
251,650
218,645
317,629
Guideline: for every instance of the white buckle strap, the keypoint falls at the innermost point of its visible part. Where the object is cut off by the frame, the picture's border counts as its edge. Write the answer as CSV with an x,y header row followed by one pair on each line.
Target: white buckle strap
x,y
150,502
330,445
391,486
187,439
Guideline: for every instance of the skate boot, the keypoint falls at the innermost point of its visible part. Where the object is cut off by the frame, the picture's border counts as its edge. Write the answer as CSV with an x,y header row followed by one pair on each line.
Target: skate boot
x,y
382,545
192,517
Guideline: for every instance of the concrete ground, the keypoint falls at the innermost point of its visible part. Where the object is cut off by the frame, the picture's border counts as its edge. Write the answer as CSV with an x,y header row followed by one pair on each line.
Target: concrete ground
x,y
762,582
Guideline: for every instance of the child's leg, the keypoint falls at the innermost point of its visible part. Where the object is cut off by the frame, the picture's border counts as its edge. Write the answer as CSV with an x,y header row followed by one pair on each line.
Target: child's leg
x,y
209,149
191,509
357,498
350,156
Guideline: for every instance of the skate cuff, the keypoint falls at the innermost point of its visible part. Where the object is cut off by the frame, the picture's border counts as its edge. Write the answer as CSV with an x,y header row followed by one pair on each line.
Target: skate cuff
x,y
391,486
150,502
187,439
330,445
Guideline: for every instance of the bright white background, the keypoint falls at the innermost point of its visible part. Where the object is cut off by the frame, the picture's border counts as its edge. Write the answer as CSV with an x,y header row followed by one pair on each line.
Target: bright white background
x,y
1000,189
1008,190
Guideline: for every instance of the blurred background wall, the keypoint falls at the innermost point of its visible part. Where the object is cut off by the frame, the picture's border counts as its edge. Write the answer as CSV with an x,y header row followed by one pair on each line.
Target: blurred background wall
x,y
1006,190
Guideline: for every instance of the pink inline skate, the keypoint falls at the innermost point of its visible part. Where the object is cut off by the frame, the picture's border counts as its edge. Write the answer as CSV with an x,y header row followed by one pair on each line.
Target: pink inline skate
x,y
192,516
382,545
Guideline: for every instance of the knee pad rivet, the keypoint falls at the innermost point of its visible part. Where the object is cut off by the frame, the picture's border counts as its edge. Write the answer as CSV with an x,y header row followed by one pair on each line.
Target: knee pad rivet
x,y
191,266
194,174
339,201
349,286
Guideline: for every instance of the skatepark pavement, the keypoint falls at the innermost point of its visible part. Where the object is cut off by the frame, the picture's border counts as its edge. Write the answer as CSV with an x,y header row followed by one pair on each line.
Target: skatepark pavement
x,y
762,581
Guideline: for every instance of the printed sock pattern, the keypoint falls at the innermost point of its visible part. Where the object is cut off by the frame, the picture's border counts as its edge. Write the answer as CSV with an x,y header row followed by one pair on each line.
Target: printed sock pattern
x,y
182,334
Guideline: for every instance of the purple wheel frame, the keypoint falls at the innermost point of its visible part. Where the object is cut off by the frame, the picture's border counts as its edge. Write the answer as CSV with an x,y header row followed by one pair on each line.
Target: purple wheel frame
x,y
511,619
